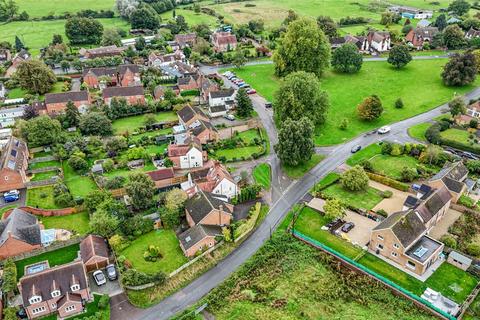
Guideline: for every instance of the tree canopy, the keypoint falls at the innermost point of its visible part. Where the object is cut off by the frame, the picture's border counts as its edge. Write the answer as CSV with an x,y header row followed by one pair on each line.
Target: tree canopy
x,y
328,26
370,109
355,179
244,103
453,37
140,188
399,56
457,106
41,131
295,141
347,59
34,76
95,124
460,70
459,7
83,30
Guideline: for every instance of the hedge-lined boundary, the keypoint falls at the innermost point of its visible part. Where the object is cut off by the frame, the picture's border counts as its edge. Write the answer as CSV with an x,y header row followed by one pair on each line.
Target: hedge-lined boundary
x,y
388,182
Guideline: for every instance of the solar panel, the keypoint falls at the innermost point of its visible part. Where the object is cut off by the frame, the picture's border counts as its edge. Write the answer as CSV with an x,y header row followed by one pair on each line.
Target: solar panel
x,y
13,153
420,252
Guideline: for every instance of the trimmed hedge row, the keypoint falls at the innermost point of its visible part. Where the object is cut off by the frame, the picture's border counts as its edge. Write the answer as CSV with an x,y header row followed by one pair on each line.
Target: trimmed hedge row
x,y
462,146
388,182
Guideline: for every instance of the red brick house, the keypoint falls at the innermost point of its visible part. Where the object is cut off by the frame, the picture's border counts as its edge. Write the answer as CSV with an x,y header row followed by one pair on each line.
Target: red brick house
x,y
123,75
20,233
165,179
20,57
133,95
208,209
189,82
13,163
56,103
204,131
417,37
186,40
188,115
94,253
223,41
198,238
101,52
63,290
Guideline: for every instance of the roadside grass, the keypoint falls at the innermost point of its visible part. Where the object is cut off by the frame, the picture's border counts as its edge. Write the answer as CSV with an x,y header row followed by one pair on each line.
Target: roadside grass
x,y
364,154
360,199
77,222
55,258
36,8
44,175
300,170
5,209
327,180
262,175
79,186
420,76
454,134
44,164
41,197
132,123
418,131
172,255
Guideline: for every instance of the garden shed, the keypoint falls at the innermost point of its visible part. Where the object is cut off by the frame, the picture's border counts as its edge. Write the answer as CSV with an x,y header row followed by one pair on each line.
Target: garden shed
x,y
459,260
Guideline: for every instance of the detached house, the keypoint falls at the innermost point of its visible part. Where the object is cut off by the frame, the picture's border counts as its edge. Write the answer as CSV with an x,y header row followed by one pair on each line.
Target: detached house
x,y
123,75
452,176
208,209
472,33
19,233
188,115
379,41
56,103
418,37
62,290
133,95
223,41
20,57
13,163
157,59
221,97
186,40
187,155
197,238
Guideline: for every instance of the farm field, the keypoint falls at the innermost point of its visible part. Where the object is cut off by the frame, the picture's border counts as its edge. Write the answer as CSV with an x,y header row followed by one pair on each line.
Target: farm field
x,y
37,8
346,91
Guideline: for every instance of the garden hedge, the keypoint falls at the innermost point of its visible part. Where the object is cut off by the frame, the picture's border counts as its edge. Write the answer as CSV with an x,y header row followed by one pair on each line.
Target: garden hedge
x,y
388,182
185,93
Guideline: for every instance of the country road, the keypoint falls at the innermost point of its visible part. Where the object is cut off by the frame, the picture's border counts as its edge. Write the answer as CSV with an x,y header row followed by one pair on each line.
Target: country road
x,y
286,195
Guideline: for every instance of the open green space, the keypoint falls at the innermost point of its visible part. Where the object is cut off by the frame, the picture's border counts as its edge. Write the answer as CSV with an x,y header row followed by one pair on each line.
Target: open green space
x,y
420,76
17,93
44,175
37,8
298,171
41,197
126,172
262,174
392,166
77,222
132,123
418,131
454,134
364,154
238,153
191,17
55,258
172,255
360,199
44,164
79,186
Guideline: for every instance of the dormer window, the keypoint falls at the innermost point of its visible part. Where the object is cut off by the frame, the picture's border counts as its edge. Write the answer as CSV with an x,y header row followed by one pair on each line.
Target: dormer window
x,y
55,293
35,299
75,287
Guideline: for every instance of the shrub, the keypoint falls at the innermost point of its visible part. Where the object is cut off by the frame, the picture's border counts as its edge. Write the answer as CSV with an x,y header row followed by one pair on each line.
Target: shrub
x,y
397,149
366,165
355,179
433,134
473,249
449,241
388,182
473,123
408,174
466,201
104,302
78,164
399,103
386,194
344,124
152,253
382,213
386,148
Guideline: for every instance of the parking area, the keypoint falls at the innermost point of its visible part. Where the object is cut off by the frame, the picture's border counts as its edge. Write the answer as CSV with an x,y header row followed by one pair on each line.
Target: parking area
x,y
392,204
18,203
360,234
111,288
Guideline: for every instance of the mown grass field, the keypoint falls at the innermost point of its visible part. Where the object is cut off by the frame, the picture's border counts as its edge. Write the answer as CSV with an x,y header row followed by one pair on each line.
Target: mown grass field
x,y
37,8
419,85
41,197
191,17
79,186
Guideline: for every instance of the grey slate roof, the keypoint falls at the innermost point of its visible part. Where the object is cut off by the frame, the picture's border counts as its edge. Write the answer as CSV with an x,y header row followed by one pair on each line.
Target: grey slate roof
x,y
188,113
197,233
66,96
21,225
200,205
455,170
406,226
123,91
224,93
432,205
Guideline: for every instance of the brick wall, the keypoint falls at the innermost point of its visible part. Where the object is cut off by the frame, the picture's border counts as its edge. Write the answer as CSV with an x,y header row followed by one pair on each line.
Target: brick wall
x,y
45,212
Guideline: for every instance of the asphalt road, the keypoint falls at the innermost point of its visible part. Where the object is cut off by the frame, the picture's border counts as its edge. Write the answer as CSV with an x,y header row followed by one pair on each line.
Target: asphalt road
x,y
197,289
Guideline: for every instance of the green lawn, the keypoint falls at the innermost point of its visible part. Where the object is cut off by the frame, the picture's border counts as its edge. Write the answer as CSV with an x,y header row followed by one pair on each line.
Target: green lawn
x,y
249,135
44,175
92,311
238,153
309,223
364,154
172,255
37,8
155,149
392,166
191,17
44,164
346,91
418,131
5,209
262,174
55,258
79,186
41,197
455,135
42,154
300,170
365,199
327,180
126,172
132,123
78,222
452,282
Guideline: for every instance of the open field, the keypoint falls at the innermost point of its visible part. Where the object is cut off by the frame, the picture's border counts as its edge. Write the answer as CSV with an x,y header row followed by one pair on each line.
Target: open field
x,y
77,222
346,91
37,8
191,17
132,123
392,166
455,135
364,154
17,93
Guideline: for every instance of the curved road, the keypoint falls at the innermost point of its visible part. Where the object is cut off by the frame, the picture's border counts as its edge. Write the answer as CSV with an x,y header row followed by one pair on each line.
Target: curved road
x,y
197,289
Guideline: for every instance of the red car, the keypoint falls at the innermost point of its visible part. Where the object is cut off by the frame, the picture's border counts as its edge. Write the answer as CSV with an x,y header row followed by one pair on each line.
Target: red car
x,y
251,91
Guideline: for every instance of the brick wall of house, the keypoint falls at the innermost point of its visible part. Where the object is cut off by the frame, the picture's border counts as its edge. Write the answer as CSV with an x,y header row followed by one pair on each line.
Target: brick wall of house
x,y
206,242
207,136
128,78
13,246
91,81
10,180
53,108
191,85
61,311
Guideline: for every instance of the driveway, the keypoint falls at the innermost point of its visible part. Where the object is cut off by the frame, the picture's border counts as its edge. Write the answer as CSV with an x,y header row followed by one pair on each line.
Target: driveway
x,y
392,204
360,234
112,288
19,203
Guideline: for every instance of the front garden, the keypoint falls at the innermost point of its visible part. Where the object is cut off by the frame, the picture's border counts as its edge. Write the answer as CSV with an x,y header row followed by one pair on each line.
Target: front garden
x,y
246,145
262,174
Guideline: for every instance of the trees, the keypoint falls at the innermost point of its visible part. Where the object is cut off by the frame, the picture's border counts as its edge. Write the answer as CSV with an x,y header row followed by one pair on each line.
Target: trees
x,y
244,104
459,7
34,76
295,141
83,31
408,174
304,47
72,115
256,26
355,179
389,18
347,59
441,22
182,25
460,70
328,26
140,43
41,131
95,123
111,37
18,44
56,39
333,209
239,59
453,36
174,203
103,224
457,106
144,18
149,119
399,56
78,164
9,276
399,103
140,188
370,109
8,9
300,95
126,7
291,16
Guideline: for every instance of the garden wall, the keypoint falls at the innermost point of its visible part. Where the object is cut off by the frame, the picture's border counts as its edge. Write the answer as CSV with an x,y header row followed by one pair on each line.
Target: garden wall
x,y
42,159
41,183
227,133
45,212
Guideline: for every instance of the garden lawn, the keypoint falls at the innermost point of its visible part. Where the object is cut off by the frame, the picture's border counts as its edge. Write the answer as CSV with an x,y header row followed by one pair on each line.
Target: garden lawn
x,y
262,175
16,93
309,223
55,258
453,134
41,197
44,164
346,91
330,178
155,149
132,123
392,166
298,171
166,240
364,154
126,172
249,135
44,175
236,154
5,209
79,186
77,222
418,131
42,154
36,8
363,199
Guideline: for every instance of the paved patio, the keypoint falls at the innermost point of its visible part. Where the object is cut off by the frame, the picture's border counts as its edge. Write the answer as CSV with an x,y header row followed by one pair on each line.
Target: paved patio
x,y
393,204
442,227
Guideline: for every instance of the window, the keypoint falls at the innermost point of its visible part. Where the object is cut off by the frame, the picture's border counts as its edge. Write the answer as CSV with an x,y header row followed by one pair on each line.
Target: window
x,y
394,254
75,287
38,310
396,246
379,237
410,264
55,293
70,308
35,299
380,246
54,305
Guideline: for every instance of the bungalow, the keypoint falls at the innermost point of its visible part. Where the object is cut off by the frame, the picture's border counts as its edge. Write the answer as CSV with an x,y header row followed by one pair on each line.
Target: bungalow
x,y
186,40
208,209
359,41
20,57
133,95
13,163
188,115
187,155
56,103
8,116
472,33
417,37
62,289
223,97
101,52
223,41
378,41
197,238
19,233
452,176
94,253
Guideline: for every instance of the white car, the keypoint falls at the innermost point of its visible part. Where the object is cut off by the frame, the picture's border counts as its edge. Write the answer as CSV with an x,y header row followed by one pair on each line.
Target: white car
x,y
99,278
384,129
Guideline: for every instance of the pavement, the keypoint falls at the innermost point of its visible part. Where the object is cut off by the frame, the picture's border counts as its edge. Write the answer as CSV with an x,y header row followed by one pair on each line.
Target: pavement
x,y
285,196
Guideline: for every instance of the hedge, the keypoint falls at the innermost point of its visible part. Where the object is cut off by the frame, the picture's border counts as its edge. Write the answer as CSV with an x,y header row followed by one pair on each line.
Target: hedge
x,y
195,93
388,182
462,146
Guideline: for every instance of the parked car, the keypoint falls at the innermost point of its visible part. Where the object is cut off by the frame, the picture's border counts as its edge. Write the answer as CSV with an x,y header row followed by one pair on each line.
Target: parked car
x,y
99,278
356,148
230,117
21,313
469,155
348,226
11,196
243,85
384,129
268,104
251,91
111,272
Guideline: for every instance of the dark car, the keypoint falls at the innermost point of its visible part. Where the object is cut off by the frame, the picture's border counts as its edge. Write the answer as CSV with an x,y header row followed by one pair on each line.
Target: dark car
x,y
22,314
111,272
356,148
348,226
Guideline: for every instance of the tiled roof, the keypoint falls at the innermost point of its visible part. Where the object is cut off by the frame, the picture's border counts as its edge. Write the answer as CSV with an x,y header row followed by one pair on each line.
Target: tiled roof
x,y
406,226
22,226
111,92
93,246
13,155
66,96
224,93
200,205
197,233
161,174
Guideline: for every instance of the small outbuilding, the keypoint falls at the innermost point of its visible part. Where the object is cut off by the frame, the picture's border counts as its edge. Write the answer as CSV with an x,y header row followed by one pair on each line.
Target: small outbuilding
x,y
459,260
94,253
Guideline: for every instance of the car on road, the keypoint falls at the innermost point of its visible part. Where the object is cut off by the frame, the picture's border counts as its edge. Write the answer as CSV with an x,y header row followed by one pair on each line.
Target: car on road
x,y
252,91
267,104
384,130
348,226
11,196
111,272
230,117
356,148
99,278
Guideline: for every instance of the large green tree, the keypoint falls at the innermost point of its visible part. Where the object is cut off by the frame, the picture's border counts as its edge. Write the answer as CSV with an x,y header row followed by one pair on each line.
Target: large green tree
x,y
459,7
333,209
103,223
399,56
295,141
300,95
34,76
304,47
8,10
460,70
83,30
441,22
140,188
144,18
111,37
355,179
457,106
370,109
453,36
347,59
328,26
244,104
72,115
41,131
95,124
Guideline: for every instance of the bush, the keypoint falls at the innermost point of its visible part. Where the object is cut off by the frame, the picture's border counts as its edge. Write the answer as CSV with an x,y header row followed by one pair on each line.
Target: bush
x,y
132,277
466,201
399,103
366,165
388,182
78,164
382,213
386,194
449,241
473,249
408,174
152,254
104,302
